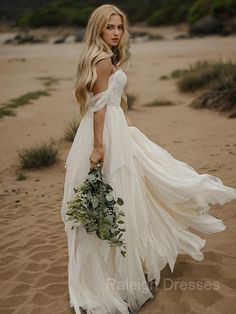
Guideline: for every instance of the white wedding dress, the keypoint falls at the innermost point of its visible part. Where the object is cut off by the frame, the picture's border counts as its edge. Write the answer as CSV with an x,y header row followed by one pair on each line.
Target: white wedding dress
x,y
164,198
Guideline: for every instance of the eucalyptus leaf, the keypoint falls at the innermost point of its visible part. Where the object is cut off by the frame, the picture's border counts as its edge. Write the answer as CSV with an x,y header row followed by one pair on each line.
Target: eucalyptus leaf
x,y
123,253
91,177
94,208
109,198
94,201
120,201
122,229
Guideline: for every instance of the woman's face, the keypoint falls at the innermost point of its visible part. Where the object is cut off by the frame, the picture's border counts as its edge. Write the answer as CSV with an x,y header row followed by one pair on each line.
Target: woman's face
x,y
114,30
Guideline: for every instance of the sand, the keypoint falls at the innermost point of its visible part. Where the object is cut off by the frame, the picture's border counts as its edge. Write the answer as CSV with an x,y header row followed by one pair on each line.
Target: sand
x,y
33,257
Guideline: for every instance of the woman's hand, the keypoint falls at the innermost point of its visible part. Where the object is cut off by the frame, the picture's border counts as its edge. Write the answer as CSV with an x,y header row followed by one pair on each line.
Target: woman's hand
x,y
97,156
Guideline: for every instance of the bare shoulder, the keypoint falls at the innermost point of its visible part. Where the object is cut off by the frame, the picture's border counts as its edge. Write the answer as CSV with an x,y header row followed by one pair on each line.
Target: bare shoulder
x,y
104,67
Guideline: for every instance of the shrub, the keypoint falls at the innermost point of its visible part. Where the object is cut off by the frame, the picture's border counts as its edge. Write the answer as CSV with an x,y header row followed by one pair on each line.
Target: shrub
x,y
6,109
71,130
221,97
178,73
218,82
164,77
171,12
53,15
159,103
41,155
216,8
205,74
20,176
131,98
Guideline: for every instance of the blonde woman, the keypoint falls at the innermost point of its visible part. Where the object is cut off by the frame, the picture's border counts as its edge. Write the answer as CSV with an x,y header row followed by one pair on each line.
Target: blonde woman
x,y
163,197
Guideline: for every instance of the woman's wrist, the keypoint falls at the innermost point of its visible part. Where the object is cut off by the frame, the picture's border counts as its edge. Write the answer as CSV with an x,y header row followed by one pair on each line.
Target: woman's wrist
x,y
98,146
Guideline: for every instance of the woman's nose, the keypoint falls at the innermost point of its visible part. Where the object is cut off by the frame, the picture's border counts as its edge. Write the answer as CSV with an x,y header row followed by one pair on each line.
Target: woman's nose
x,y
116,31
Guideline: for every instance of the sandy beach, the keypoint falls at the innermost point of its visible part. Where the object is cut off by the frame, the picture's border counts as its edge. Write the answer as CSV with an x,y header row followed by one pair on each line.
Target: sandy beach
x,y
33,260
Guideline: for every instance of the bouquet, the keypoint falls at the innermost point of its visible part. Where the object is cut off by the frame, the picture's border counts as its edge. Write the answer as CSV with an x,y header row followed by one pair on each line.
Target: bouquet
x,y
94,207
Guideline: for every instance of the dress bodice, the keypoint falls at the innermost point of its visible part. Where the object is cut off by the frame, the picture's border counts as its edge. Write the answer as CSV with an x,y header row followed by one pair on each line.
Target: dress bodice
x,y
112,95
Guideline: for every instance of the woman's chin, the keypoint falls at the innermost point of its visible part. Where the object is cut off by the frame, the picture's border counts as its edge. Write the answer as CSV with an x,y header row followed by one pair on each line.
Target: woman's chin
x,y
114,44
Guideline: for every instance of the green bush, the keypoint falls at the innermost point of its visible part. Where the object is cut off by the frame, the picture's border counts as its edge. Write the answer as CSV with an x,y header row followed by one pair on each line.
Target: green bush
x,y
217,82
221,97
53,15
204,74
159,103
172,12
216,8
21,176
156,19
73,12
42,155
71,130
6,109
131,99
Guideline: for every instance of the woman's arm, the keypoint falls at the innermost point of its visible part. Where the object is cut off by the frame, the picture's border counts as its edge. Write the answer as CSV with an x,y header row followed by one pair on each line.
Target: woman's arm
x,y
104,69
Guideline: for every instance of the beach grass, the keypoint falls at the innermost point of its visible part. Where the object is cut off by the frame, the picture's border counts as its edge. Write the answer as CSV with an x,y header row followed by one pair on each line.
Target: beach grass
x,y
178,73
216,81
49,81
6,109
39,155
203,74
70,131
21,176
131,99
159,103
164,77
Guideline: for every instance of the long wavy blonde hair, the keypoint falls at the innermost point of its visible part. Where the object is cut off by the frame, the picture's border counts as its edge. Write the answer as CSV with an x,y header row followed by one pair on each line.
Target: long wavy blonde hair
x,y
96,49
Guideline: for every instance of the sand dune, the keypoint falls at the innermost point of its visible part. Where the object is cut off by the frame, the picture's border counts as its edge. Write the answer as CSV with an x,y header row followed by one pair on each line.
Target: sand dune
x,y
33,261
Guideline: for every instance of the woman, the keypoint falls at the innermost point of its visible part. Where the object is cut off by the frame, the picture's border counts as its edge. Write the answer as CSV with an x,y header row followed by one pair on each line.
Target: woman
x,y
163,197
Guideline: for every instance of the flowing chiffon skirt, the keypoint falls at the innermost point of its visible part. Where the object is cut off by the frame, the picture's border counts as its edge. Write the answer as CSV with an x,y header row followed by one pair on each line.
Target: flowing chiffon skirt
x,y
165,200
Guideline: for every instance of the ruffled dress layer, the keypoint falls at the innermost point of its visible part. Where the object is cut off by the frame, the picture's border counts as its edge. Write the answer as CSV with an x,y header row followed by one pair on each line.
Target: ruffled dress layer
x,y
165,200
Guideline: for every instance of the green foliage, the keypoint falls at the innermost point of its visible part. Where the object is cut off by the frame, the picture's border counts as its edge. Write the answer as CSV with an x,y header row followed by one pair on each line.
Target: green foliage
x,y
26,99
216,8
157,18
75,12
71,130
6,109
53,14
164,77
217,80
220,97
178,73
204,74
21,176
131,99
42,155
160,103
198,10
94,207
49,81
170,12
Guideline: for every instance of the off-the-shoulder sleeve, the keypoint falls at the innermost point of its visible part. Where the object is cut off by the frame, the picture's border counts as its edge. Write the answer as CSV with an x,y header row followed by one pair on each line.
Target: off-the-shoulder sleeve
x,y
101,99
